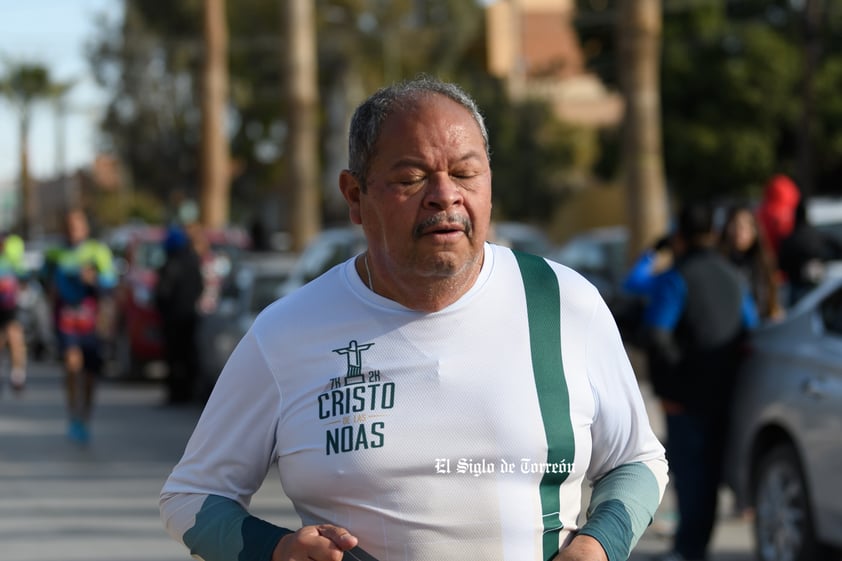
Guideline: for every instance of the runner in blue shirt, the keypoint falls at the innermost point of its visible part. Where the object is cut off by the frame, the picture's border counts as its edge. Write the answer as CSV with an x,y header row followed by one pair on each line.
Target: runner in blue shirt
x,y
79,275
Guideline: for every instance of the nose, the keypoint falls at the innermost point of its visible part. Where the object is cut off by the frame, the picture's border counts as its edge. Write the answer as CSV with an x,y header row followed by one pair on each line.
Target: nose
x,y
442,192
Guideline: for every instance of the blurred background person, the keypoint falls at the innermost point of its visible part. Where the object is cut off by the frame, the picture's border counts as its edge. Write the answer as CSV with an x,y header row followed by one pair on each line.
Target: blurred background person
x,y
653,261
80,274
804,254
743,243
697,314
639,284
210,266
260,236
12,273
177,299
776,213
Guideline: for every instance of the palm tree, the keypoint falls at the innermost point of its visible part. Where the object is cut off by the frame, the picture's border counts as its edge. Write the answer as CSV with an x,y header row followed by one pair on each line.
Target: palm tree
x,y
23,85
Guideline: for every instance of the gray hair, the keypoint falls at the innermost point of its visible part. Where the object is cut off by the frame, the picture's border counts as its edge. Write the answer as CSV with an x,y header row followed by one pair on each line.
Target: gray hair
x,y
369,117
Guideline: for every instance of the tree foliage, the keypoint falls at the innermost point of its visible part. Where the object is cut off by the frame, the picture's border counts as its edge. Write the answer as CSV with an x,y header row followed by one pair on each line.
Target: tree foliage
x,y
728,102
22,85
536,159
153,117
150,65
732,78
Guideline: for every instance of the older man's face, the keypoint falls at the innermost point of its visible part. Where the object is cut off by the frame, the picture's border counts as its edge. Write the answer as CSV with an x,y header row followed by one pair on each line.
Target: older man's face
x,y
427,208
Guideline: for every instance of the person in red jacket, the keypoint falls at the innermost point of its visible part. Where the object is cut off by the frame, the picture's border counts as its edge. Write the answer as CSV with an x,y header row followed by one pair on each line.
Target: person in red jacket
x,y
776,213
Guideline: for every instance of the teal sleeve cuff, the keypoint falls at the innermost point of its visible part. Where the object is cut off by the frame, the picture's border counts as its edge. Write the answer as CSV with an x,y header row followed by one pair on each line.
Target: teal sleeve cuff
x,y
225,531
260,539
622,506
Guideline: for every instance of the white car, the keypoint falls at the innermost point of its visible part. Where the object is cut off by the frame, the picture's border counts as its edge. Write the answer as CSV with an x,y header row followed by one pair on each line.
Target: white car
x,y
331,247
786,448
522,237
252,285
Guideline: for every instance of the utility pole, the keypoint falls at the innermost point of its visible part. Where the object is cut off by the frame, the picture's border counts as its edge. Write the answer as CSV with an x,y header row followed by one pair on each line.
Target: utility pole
x,y
300,78
214,199
639,32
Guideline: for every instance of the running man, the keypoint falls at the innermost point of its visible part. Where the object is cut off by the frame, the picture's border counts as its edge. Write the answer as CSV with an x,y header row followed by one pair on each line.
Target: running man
x,y
12,273
80,274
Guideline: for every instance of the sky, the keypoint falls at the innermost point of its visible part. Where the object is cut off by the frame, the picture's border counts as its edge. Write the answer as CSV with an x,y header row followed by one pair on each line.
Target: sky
x,y
52,33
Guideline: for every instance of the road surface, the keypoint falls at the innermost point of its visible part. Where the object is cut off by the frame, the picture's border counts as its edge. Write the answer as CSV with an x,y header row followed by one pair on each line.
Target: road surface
x,y
63,502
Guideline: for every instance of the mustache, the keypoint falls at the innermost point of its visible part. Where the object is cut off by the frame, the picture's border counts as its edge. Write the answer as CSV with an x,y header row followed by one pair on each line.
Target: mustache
x,y
438,219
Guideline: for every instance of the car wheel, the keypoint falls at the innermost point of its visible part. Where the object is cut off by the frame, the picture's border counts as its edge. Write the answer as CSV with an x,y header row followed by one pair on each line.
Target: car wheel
x,y
783,524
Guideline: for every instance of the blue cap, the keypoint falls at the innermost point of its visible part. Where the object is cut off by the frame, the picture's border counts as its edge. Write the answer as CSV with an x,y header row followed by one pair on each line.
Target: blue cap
x,y
175,240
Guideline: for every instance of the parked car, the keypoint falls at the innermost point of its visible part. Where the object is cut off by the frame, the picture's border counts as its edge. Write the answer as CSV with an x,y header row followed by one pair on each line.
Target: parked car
x,y
35,318
331,247
786,448
256,281
252,285
522,237
599,254
826,214
138,341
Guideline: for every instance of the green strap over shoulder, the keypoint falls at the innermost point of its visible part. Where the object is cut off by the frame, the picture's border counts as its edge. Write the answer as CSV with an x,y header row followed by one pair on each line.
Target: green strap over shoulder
x,y
543,305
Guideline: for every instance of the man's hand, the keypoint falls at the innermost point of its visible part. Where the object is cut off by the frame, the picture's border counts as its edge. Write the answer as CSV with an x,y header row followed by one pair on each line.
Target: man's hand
x,y
582,548
316,543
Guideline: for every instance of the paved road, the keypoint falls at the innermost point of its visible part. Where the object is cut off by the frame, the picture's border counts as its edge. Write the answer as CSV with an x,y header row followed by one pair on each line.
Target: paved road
x,y
60,502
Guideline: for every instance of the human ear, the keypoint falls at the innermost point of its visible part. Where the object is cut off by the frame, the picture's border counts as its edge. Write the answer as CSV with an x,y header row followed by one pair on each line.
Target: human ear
x,y
351,189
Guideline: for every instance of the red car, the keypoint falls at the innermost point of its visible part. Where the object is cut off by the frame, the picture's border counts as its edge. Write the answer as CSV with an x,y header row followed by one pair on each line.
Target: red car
x,y
138,341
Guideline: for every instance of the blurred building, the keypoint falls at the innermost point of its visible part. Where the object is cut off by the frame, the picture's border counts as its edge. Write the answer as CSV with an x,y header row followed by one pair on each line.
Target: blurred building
x,y
533,46
83,188
54,197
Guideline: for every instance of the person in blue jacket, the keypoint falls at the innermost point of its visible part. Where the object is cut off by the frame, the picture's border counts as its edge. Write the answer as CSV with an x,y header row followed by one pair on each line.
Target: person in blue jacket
x,y
698,311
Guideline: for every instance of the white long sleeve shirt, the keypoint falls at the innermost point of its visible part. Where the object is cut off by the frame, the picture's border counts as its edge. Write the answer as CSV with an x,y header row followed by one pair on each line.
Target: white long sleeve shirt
x,y
466,433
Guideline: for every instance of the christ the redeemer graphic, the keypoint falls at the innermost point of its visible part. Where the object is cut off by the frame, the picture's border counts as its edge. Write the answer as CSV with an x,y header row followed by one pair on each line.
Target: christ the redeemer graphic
x,y
353,352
